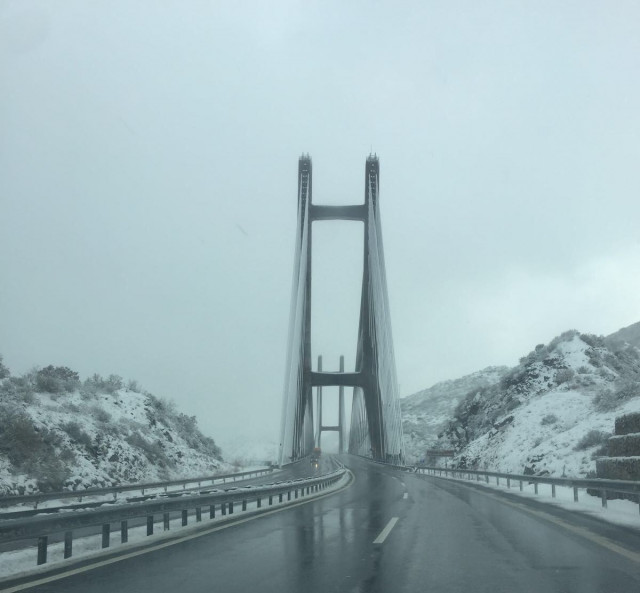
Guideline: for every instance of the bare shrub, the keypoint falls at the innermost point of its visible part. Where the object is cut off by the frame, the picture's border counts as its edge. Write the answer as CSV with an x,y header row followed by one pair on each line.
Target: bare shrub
x,y
549,419
563,376
593,438
57,379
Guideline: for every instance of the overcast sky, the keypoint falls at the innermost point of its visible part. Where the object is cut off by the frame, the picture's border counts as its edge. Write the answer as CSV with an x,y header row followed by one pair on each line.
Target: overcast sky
x,y
148,178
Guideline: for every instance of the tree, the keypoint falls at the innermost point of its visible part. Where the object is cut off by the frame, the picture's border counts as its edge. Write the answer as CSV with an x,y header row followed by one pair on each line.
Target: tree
x,y
57,379
4,371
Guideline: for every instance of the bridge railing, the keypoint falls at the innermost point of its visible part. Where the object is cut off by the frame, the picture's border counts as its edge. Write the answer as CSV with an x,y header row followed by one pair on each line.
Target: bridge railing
x,y
40,528
628,489
36,499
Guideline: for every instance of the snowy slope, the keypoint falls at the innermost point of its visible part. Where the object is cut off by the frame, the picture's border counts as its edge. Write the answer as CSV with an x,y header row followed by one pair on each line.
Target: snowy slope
x,y
552,413
80,439
427,412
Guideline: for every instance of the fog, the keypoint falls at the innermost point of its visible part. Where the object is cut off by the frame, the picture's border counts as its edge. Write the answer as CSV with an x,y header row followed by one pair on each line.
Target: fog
x,y
148,179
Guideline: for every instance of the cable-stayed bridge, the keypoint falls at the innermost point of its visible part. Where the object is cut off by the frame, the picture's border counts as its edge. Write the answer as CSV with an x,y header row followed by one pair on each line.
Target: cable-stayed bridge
x,y
347,524
376,428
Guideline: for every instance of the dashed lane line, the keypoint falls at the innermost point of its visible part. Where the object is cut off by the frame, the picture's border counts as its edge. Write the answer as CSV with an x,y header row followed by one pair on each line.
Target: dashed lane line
x,y
386,531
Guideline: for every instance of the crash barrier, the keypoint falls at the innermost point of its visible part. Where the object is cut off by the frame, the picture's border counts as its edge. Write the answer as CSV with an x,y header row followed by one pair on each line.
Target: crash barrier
x,y
605,489
36,499
40,528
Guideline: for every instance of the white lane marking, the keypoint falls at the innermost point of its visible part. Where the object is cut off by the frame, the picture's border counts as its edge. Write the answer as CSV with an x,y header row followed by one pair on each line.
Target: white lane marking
x,y
403,484
406,495
159,546
386,531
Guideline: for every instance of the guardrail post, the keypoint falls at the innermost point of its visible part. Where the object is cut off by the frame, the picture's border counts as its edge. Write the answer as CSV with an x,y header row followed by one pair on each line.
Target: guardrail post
x,y
289,495
185,517
68,544
575,494
165,521
487,478
553,490
270,500
508,482
259,502
497,481
244,505
296,493
520,485
42,549
149,524
223,508
106,533
124,531
231,508
603,493
198,514
535,487
212,511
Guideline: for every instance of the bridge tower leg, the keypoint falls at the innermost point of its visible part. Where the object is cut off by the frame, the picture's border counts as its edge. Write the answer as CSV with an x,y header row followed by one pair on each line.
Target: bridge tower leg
x,y
319,406
376,428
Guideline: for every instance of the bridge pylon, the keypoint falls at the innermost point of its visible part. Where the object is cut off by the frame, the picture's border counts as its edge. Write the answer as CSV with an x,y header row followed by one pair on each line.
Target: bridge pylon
x,y
320,426
376,427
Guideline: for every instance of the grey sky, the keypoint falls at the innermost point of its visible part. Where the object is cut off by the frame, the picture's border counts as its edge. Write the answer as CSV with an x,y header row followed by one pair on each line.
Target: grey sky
x,y
148,160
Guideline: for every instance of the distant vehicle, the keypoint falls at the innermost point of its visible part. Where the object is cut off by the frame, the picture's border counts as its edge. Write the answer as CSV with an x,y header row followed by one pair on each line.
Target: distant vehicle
x,y
315,456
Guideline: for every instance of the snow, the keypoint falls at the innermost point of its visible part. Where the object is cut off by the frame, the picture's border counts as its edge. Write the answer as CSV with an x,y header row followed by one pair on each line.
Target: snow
x,y
119,430
512,448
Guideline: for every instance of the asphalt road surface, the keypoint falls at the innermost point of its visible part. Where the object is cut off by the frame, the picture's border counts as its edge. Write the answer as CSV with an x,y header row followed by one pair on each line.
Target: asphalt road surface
x,y
388,532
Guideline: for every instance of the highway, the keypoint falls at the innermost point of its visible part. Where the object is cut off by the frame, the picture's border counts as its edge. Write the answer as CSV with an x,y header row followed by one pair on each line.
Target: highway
x,y
388,532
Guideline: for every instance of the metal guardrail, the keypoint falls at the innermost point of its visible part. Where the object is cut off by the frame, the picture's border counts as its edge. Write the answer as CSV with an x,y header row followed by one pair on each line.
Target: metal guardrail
x,y
6,501
628,488
41,527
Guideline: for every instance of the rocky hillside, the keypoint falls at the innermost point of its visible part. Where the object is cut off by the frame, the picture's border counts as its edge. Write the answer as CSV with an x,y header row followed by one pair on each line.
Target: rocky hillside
x,y
428,412
552,413
58,433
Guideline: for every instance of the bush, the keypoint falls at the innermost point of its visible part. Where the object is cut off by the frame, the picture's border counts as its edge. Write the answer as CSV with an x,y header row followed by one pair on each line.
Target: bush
x,y
31,449
97,384
100,414
549,419
606,400
564,375
4,371
593,438
57,379
77,434
154,452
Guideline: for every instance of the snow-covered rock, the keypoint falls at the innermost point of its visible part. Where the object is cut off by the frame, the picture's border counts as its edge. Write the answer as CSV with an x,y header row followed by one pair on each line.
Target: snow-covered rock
x,y
88,437
552,413
427,412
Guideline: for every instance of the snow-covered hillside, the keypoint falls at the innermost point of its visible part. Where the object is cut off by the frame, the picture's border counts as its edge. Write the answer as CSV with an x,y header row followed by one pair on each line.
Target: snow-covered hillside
x,y
553,412
427,412
57,433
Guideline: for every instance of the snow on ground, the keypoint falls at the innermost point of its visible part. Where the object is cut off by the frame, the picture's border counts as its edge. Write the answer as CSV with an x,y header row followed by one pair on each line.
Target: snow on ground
x,y
115,438
546,445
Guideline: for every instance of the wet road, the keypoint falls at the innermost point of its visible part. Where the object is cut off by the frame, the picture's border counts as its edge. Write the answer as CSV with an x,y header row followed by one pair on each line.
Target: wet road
x,y
390,532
